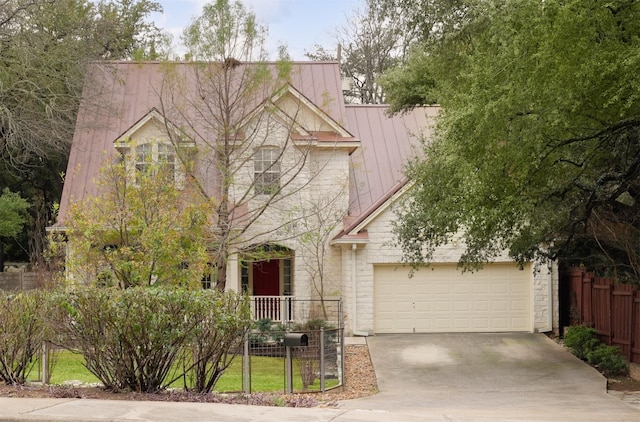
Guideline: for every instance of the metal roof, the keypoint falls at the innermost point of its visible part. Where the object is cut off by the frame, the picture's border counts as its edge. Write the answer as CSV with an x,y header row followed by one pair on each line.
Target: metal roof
x,y
119,95
387,142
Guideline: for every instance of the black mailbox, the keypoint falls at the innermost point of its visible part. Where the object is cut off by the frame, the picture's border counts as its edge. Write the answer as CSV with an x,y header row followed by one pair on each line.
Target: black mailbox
x,y
296,339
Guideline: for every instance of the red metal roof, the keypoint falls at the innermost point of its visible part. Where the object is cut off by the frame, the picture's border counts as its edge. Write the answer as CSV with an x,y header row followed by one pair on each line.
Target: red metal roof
x,y
118,94
386,145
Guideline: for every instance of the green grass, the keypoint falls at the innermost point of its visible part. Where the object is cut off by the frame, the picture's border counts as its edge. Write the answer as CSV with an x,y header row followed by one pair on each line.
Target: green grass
x,y
268,374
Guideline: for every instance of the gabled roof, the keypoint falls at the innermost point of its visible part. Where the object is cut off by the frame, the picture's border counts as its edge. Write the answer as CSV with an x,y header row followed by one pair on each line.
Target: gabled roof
x,y
118,96
153,116
334,135
387,143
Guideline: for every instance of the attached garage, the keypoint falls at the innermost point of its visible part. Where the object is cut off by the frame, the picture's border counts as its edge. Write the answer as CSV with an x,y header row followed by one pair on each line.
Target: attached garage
x,y
442,299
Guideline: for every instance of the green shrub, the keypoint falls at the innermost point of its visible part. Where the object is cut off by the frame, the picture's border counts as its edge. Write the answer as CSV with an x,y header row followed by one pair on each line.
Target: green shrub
x,y
581,340
220,322
22,333
608,360
129,338
134,339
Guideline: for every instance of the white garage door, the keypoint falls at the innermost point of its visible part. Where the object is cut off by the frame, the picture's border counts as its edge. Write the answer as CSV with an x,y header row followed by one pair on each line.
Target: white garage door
x,y
442,299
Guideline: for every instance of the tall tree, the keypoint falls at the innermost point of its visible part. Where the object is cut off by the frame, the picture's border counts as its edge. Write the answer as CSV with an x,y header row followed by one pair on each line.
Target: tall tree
x,y
538,132
244,139
44,47
371,42
378,37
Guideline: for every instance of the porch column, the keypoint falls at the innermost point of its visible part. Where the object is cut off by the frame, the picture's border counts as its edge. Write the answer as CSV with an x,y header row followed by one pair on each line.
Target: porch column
x,y
233,274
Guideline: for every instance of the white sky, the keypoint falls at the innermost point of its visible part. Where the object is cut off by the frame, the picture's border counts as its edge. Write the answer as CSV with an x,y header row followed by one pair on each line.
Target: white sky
x,y
298,24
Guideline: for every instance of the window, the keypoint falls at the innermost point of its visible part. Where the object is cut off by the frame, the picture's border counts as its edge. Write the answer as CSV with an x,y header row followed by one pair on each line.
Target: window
x,y
267,171
286,277
144,157
155,154
209,279
244,277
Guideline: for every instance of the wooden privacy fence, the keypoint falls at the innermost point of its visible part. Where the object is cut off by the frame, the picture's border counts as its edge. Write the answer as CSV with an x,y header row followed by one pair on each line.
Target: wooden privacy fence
x,y
613,310
18,280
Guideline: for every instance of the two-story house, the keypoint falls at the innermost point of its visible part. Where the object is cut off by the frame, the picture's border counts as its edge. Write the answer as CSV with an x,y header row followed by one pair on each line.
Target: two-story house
x,y
304,179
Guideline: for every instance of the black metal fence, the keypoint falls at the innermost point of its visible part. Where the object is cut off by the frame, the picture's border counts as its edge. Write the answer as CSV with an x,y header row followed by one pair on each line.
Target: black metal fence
x,y
317,366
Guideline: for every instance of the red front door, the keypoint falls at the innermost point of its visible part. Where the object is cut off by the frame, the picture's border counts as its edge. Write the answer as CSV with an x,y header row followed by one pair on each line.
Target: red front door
x,y
266,278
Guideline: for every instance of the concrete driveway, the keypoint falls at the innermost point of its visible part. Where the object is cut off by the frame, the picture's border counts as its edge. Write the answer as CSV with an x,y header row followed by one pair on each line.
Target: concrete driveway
x,y
486,377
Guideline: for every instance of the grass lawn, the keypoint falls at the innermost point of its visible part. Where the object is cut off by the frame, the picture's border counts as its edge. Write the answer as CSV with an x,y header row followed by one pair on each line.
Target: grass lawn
x,y
268,374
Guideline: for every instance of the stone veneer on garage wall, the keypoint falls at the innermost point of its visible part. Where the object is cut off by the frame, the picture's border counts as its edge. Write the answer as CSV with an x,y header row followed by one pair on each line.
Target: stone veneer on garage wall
x,y
378,251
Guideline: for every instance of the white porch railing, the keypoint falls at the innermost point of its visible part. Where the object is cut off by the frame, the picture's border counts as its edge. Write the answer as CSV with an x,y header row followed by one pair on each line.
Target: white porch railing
x,y
276,308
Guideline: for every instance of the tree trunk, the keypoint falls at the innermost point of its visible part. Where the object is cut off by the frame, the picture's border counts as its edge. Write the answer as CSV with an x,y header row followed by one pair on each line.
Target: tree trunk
x,y
1,255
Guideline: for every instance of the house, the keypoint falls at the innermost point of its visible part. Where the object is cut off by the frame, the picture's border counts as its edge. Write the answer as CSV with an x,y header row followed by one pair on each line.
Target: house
x,y
309,173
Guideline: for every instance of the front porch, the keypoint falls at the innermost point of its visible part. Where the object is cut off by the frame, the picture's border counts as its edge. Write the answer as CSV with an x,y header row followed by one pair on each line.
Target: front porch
x,y
290,309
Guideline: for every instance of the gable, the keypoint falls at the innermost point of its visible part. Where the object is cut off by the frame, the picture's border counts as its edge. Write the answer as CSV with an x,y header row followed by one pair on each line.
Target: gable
x,y
152,127
308,123
118,98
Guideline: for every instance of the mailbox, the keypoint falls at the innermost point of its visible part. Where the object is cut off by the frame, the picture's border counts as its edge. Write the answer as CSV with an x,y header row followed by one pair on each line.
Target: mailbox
x,y
296,339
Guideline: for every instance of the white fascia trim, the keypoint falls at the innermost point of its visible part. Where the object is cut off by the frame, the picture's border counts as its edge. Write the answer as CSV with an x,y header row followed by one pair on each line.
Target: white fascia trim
x,y
346,242
324,116
381,208
350,145
154,115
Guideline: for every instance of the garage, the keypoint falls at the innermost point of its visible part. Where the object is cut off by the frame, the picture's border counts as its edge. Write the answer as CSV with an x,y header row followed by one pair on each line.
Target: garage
x,y
441,298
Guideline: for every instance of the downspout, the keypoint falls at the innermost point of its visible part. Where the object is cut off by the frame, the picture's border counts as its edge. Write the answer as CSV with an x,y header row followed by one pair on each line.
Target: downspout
x,y
354,294
550,296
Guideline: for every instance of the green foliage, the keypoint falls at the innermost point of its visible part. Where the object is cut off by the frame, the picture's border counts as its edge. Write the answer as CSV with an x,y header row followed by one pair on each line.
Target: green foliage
x,y
139,232
267,333
23,330
221,322
225,30
608,360
584,344
538,131
581,340
133,339
13,210
45,46
411,83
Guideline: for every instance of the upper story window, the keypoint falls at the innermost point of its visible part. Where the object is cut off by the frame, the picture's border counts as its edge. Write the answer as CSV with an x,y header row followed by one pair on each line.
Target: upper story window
x,y
156,156
267,171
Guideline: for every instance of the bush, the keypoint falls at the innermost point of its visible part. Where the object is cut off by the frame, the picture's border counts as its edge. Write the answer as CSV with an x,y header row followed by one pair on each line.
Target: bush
x,y
267,333
581,340
220,322
608,360
133,339
583,343
22,333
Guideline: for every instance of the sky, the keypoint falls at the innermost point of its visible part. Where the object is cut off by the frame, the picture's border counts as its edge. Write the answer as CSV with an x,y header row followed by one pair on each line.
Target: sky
x,y
298,24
